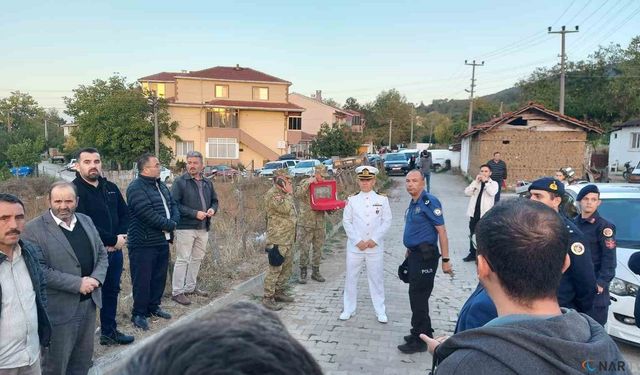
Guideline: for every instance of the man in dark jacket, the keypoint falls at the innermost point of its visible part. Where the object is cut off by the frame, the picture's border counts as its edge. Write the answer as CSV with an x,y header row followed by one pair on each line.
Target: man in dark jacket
x,y
522,252
153,216
102,201
197,201
24,324
498,172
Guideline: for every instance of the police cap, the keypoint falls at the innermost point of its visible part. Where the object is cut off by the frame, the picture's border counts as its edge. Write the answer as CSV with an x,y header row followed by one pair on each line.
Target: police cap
x,y
549,184
586,190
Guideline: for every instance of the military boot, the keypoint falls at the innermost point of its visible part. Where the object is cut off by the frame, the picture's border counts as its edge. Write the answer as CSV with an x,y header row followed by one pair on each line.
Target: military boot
x,y
281,297
270,303
316,275
303,275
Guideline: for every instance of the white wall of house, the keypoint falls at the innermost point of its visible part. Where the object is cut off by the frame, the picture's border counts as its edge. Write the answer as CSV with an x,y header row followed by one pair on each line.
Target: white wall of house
x,y
621,149
315,113
464,155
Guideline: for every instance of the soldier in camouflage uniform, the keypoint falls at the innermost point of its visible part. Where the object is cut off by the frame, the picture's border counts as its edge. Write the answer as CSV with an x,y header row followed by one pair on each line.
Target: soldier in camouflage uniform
x,y
281,231
311,228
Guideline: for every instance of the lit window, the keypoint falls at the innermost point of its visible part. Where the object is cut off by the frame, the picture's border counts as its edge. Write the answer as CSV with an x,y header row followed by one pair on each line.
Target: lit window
x,y
160,90
145,86
222,118
223,148
183,147
260,93
222,91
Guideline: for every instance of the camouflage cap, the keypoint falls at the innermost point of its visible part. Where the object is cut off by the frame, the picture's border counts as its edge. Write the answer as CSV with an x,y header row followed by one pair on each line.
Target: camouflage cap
x,y
322,169
282,172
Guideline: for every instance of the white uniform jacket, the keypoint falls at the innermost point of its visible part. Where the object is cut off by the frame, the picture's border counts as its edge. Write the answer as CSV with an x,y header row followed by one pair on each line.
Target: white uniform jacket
x,y
366,216
488,196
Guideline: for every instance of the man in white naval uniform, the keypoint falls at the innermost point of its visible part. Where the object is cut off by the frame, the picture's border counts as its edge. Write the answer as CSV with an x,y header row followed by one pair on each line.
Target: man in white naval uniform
x,y
366,219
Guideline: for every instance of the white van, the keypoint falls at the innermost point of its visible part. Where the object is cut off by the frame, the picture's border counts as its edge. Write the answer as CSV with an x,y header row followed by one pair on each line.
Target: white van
x,y
439,158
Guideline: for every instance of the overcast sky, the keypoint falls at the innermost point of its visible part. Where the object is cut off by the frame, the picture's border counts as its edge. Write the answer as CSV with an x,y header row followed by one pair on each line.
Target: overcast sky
x,y
344,48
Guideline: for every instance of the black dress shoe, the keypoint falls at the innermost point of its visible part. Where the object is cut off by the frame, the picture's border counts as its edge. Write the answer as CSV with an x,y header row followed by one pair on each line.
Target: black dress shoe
x,y
414,346
469,258
116,338
140,322
161,314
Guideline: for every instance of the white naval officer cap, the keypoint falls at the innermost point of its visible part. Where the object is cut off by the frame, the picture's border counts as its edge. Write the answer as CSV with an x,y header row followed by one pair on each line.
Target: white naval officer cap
x,y
366,172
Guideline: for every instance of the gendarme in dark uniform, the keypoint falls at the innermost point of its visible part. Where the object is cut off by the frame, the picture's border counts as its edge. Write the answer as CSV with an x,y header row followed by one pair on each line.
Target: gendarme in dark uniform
x,y
600,237
423,220
578,284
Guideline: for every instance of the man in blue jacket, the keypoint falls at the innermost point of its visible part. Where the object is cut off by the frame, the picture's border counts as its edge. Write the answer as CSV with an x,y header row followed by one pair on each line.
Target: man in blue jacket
x,y
153,216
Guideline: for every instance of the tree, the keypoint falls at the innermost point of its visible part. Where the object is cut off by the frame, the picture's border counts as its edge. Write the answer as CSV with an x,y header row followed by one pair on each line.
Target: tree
x,y
115,117
331,102
389,105
26,152
434,123
17,109
352,104
335,140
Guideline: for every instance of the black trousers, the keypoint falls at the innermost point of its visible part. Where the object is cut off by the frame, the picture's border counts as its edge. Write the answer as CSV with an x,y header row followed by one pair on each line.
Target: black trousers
x,y
600,310
148,276
473,221
421,276
110,291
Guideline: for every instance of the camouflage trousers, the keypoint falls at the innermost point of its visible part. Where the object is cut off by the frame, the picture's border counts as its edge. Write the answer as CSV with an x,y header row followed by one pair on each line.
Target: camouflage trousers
x,y
307,238
277,277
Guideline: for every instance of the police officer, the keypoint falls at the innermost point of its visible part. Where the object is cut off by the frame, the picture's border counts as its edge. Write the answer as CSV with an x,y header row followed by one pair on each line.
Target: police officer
x,y
600,237
578,285
311,226
424,228
281,233
365,219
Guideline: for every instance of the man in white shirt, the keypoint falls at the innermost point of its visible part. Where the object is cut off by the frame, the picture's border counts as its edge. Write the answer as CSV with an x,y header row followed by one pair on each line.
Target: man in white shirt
x,y
482,191
366,219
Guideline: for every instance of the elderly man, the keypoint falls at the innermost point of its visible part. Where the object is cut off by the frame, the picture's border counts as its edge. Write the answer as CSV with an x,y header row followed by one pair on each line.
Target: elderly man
x,y
312,227
75,262
24,324
481,191
424,228
197,201
102,201
365,219
153,216
522,252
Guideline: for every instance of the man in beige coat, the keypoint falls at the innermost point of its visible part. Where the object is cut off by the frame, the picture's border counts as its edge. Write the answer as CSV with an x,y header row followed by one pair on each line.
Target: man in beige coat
x,y
482,191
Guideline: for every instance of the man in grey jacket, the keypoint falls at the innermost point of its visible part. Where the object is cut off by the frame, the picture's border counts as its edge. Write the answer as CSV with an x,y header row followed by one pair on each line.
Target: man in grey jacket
x,y
75,265
424,163
522,252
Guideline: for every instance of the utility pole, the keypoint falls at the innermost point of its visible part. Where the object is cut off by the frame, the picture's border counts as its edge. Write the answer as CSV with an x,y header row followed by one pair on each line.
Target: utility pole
x,y
473,85
46,131
563,58
412,116
390,123
153,100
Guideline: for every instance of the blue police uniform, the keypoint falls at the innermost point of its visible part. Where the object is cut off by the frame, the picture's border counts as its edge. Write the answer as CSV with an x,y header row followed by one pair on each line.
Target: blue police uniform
x,y
600,237
421,239
634,266
477,311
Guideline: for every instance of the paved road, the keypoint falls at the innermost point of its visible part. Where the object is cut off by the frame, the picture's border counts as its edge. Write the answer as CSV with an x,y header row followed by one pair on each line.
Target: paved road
x,y
56,170
362,345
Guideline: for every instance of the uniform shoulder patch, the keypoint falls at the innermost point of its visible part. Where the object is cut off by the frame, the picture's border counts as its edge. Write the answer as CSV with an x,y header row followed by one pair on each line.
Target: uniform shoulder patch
x,y
607,232
437,212
610,243
577,248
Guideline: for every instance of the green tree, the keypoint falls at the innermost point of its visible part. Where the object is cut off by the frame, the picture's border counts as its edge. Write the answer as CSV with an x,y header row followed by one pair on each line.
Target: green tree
x,y
352,104
26,152
17,110
432,121
389,105
335,140
116,117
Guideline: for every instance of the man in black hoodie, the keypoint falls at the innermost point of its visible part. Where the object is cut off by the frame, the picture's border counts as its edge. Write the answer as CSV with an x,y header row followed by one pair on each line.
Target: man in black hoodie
x,y
102,201
522,252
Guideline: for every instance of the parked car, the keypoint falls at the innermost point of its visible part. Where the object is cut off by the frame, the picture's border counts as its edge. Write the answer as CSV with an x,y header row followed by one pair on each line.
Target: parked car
x,y
225,171
71,165
621,206
21,171
305,168
165,174
329,164
632,174
268,169
396,163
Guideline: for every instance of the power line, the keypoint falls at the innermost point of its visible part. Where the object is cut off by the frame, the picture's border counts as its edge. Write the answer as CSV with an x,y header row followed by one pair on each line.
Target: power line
x,y
580,11
563,13
563,57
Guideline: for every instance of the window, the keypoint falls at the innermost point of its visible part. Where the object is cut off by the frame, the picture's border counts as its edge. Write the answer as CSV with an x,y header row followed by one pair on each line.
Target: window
x,y
222,91
635,141
223,148
222,118
160,90
355,120
183,147
145,86
260,93
295,123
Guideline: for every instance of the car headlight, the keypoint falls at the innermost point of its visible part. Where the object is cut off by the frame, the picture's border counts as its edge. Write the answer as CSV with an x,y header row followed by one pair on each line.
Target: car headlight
x,y
622,288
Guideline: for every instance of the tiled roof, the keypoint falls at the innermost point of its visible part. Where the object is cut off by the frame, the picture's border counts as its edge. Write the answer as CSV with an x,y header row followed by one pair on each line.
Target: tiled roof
x,y
487,126
629,123
223,73
254,104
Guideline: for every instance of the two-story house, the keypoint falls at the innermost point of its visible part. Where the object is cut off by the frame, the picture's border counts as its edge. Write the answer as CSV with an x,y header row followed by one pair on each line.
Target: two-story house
x,y
230,114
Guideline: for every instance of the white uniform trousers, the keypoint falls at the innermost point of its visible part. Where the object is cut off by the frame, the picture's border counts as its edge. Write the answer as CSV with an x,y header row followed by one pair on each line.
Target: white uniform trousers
x,y
375,276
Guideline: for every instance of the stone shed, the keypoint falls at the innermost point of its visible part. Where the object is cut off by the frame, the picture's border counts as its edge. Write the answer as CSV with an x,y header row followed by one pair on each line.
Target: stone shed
x,y
534,141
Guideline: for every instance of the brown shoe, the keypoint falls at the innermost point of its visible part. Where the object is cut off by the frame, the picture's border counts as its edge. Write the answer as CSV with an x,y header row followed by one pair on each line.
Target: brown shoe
x,y
181,299
281,297
315,275
199,293
303,275
270,303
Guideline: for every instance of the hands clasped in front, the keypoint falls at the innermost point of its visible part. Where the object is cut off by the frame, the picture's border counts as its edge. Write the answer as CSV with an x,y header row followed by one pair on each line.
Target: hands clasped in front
x,y
88,285
364,245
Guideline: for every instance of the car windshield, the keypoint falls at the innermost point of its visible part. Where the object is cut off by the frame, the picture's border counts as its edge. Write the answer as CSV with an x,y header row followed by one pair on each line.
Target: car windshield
x,y
625,215
272,166
305,164
396,157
